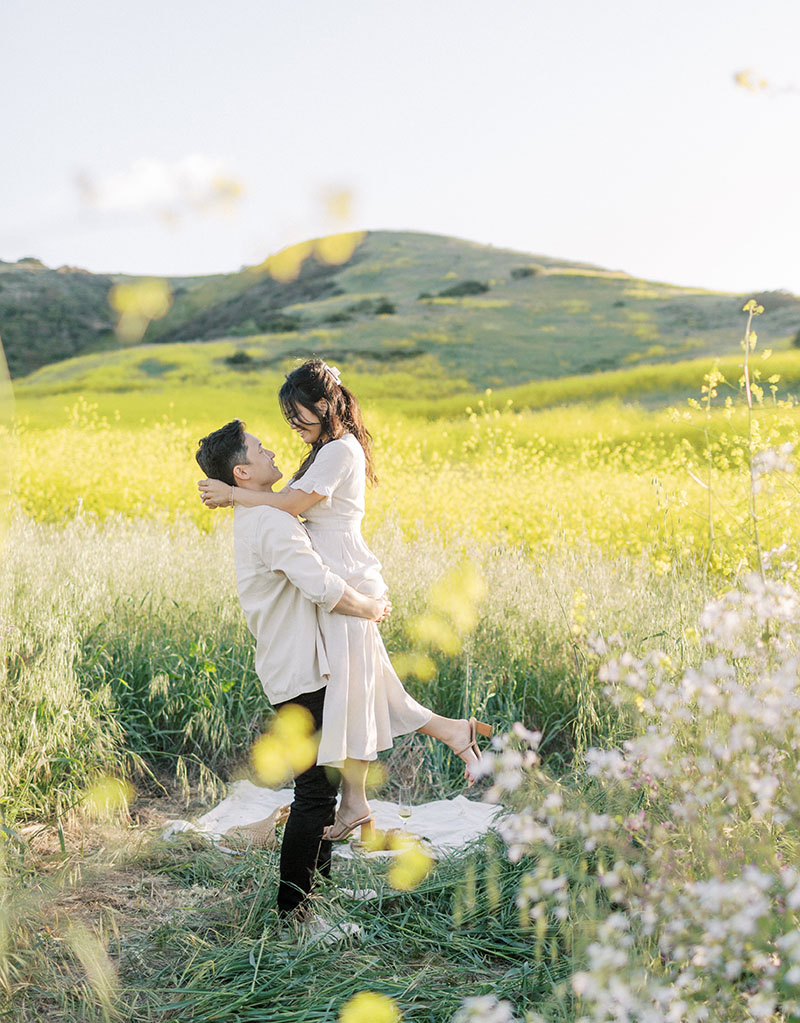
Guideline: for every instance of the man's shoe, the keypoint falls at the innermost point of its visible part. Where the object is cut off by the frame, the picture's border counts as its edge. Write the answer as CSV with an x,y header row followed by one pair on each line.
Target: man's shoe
x,y
312,929
316,931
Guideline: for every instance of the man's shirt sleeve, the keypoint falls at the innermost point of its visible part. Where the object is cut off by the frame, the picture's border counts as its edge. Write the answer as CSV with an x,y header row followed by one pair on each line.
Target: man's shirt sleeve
x,y
285,547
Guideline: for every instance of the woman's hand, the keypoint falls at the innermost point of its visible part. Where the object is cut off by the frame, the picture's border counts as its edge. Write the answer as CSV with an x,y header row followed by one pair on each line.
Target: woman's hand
x,y
383,608
215,493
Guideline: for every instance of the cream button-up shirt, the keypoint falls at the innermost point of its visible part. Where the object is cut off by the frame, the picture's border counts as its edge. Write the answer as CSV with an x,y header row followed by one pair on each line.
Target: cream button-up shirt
x,y
281,580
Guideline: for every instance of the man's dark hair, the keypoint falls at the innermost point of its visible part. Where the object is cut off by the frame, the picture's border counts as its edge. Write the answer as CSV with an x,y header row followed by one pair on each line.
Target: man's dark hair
x,y
221,450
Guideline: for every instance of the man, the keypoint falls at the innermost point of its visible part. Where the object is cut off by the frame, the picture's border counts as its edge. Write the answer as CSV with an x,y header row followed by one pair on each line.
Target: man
x,y
281,581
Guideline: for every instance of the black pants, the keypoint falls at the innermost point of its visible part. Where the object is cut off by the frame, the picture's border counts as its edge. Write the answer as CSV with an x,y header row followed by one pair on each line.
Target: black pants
x,y
303,852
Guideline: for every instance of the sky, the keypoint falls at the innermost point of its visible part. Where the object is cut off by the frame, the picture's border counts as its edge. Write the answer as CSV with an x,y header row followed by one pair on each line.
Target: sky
x,y
168,137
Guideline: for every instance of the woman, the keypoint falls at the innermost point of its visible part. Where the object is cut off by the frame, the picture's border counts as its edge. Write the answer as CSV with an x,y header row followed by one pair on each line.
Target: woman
x,y
366,705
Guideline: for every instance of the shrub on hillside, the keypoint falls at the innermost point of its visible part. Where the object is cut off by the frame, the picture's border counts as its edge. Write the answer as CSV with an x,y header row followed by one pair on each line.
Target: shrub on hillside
x,y
266,323
366,307
243,329
519,272
464,288
278,323
239,358
776,299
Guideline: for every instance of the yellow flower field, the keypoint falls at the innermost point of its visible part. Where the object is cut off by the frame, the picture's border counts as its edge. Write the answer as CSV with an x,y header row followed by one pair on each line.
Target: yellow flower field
x,y
619,478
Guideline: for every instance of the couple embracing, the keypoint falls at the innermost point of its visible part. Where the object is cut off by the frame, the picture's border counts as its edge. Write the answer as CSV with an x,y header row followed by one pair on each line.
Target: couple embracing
x,y
313,596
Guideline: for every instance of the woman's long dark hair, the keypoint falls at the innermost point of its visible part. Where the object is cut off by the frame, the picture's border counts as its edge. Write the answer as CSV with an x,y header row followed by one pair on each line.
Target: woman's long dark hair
x,y
315,387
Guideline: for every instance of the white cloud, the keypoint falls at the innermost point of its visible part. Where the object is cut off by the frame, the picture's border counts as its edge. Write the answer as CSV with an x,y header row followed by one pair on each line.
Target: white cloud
x,y
169,190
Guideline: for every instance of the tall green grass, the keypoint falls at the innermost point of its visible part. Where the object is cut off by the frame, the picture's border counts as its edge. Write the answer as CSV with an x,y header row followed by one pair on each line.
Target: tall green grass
x,y
124,651
410,948
222,955
123,644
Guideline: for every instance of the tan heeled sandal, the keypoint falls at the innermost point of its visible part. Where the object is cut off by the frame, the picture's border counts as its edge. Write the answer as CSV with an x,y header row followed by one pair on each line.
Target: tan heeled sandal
x,y
475,728
339,831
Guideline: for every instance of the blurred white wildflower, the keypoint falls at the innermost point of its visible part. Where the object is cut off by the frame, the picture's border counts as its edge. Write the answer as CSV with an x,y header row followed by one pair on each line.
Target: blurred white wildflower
x,y
483,768
485,1009
597,645
772,460
522,832
700,806
531,738
774,560
541,892
762,1006
605,763
508,764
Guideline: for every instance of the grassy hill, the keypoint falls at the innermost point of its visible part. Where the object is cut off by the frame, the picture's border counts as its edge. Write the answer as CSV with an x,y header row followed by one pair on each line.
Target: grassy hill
x,y
47,314
421,306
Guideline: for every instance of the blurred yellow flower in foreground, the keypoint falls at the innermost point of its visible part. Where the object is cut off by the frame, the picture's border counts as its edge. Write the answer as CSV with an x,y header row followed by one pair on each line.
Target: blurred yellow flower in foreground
x,y
137,305
433,631
419,665
108,796
288,749
458,594
370,1007
285,266
411,865
336,249
376,774
226,191
452,613
338,203
750,80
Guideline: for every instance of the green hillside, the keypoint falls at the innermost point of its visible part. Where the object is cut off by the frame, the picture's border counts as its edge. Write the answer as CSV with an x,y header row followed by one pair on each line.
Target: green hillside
x,y
47,314
425,306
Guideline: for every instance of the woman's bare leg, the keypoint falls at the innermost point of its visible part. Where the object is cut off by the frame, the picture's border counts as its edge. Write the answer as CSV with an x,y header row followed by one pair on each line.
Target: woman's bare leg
x,y
454,732
353,805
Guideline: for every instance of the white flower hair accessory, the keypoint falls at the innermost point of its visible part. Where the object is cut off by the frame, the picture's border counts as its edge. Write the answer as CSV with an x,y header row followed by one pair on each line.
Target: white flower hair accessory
x,y
334,372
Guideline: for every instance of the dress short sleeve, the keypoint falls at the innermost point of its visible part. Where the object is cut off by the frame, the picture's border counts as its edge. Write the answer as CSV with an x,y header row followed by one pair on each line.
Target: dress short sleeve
x,y
333,464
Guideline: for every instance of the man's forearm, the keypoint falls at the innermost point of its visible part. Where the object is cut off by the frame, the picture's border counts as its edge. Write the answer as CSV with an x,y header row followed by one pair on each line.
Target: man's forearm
x,y
357,605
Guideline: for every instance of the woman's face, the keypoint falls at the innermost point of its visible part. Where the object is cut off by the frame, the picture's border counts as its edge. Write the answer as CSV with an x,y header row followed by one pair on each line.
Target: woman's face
x,y
307,423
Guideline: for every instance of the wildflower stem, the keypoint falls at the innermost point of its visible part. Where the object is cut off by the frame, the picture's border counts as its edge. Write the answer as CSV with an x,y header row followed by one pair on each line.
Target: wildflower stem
x,y
749,396
711,381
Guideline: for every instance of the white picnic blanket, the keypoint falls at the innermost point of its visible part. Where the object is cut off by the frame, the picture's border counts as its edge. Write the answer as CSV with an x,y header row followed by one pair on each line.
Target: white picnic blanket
x,y
444,824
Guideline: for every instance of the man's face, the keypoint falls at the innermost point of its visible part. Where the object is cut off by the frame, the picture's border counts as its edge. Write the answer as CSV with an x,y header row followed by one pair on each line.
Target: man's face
x,y
261,468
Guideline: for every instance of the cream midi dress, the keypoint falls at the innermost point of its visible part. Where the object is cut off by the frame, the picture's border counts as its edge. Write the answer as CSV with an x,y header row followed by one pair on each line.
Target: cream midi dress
x,y
366,705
